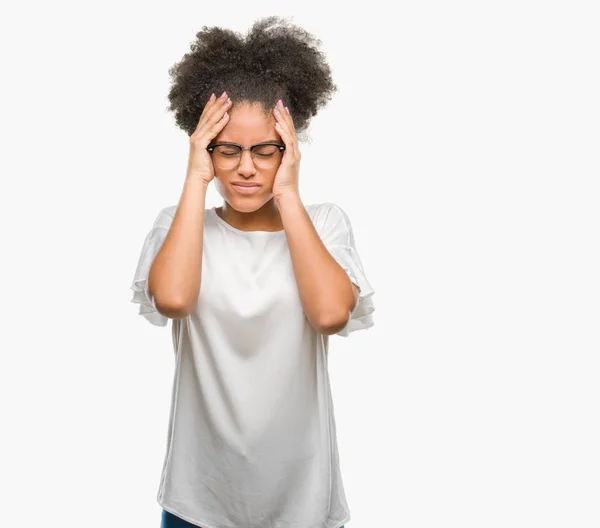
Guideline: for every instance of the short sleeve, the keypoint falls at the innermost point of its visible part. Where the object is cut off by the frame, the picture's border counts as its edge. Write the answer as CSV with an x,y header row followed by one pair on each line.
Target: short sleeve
x,y
152,244
337,236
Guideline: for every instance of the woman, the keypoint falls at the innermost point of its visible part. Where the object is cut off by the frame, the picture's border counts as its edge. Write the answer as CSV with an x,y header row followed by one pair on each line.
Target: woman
x,y
254,289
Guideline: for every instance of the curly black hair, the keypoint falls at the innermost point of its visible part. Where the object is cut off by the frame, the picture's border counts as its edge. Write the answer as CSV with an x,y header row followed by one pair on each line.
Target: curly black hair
x,y
275,60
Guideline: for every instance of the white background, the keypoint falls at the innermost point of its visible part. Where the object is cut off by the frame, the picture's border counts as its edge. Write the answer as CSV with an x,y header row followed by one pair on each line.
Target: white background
x,y
462,143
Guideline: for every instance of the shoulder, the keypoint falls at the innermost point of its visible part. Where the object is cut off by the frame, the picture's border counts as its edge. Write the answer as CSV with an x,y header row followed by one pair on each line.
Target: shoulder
x,y
328,214
326,211
165,216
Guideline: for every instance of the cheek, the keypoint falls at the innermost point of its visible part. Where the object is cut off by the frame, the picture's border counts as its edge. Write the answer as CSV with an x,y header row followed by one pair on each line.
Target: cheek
x,y
269,179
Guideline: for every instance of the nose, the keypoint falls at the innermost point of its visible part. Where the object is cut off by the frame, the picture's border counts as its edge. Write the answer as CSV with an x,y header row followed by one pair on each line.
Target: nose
x,y
246,167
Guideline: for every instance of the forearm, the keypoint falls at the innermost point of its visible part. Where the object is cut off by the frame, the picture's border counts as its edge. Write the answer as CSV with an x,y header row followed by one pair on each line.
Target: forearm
x,y
325,289
175,275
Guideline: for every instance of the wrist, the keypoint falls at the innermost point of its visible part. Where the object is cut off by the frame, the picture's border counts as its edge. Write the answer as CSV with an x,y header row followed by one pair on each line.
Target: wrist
x,y
196,181
287,196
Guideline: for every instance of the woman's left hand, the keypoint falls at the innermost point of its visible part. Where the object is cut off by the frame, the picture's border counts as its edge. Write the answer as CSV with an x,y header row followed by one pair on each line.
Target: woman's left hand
x,y
286,179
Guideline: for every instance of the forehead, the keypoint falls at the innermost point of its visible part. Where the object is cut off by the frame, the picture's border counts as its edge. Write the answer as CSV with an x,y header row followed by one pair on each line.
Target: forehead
x,y
248,124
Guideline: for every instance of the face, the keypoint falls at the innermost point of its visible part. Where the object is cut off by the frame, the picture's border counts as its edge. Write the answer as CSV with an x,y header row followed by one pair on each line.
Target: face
x,y
248,125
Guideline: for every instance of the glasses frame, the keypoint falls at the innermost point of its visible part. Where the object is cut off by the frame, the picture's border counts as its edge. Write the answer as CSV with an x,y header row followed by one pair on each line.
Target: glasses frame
x,y
251,148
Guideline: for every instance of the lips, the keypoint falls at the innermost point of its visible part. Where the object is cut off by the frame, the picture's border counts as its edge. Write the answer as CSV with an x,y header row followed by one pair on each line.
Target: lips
x,y
245,188
246,184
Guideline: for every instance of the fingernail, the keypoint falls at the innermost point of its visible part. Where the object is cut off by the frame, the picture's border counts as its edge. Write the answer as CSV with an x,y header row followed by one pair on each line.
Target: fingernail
x,y
280,103
212,97
223,95
287,109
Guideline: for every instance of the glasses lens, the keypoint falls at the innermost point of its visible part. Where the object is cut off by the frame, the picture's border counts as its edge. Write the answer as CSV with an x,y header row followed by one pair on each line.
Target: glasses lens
x,y
266,156
226,156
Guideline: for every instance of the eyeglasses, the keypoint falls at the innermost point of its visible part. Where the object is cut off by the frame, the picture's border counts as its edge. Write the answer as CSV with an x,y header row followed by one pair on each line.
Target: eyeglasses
x,y
227,156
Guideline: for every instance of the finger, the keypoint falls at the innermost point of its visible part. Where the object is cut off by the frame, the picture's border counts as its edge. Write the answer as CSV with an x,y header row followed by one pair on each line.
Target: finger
x,y
208,133
209,129
208,104
285,113
214,110
207,108
282,118
215,115
288,135
291,120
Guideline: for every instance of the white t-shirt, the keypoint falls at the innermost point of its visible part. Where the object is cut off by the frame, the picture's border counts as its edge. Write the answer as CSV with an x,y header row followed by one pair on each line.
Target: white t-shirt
x,y
252,438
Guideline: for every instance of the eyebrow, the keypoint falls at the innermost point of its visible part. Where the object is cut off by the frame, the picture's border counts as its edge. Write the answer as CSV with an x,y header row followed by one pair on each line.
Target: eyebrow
x,y
234,143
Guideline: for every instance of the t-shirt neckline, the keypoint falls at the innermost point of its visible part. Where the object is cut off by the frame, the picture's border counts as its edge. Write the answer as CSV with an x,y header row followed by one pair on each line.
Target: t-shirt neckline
x,y
240,231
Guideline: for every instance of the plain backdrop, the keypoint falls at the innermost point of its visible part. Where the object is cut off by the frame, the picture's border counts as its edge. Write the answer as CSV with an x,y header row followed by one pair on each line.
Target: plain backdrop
x,y
463,144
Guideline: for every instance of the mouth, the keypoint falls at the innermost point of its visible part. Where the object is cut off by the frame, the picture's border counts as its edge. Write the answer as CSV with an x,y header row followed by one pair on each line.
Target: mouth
x,y
246,188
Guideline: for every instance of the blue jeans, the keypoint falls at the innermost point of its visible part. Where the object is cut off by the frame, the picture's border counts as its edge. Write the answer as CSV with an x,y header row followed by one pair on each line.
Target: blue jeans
x,y
172,521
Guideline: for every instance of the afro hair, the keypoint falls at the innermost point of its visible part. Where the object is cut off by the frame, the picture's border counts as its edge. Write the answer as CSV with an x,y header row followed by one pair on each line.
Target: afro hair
x,y
275,60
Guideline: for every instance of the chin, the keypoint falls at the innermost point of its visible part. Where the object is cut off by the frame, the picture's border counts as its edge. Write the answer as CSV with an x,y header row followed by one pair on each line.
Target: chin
x,y
245,204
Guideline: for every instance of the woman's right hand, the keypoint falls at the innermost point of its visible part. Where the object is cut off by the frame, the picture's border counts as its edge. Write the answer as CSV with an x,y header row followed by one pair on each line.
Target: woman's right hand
x,y
214,117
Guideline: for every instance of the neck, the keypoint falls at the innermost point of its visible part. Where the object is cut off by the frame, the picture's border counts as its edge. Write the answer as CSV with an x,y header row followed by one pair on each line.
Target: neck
x,y
267,218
